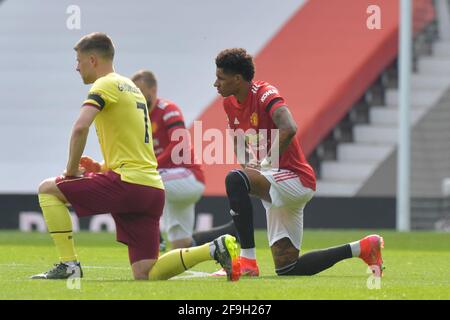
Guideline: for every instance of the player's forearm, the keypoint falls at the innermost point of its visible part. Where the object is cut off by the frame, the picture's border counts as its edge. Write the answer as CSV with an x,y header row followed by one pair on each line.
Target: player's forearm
x,y
280,143
77,143
284,139
287,129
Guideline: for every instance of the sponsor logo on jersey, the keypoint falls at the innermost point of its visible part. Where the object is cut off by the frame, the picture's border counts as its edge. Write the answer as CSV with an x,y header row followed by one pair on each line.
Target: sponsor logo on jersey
x,y
170,115
268,93
122,86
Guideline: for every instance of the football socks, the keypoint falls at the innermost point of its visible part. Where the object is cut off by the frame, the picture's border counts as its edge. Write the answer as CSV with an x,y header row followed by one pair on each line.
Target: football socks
x,y
59,225
248,253
316,261
356,248
238,187
177,261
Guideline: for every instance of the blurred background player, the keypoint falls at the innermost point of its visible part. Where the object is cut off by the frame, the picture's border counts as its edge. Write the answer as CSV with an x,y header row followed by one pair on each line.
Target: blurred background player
x,y
129,187
286,187
184,183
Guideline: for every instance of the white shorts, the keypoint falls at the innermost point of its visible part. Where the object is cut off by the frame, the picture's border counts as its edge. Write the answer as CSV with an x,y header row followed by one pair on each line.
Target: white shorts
x,y
285,213
183,190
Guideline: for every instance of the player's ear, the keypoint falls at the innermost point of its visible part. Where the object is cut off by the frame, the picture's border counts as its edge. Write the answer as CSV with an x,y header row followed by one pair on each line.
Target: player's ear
x,y
93,59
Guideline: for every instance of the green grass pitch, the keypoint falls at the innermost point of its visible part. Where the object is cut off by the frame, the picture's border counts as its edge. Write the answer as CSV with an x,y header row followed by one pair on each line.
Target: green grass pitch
x,y
417,267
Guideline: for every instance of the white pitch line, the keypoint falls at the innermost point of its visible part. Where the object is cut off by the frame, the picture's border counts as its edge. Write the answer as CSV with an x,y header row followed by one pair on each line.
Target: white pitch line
x,y
34,266
193,274
12,264
98,267
190,273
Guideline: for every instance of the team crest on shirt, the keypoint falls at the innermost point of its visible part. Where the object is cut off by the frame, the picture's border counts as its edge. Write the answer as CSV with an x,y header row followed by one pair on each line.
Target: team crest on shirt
x,y
254,119
154,127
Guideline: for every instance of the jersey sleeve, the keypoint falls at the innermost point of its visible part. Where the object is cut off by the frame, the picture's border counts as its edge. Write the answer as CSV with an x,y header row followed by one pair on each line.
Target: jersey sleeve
x,y
103,92
172,119
270,99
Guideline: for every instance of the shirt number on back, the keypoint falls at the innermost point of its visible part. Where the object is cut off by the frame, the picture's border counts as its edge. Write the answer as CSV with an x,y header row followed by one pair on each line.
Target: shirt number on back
x,y
143,106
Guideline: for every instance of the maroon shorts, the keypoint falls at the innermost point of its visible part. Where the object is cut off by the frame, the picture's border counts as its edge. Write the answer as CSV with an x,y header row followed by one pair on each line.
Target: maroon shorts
x,y
136,209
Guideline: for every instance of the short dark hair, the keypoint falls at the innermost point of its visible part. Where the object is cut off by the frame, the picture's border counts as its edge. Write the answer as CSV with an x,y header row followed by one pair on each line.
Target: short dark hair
x,y
237,61
98,42
146,76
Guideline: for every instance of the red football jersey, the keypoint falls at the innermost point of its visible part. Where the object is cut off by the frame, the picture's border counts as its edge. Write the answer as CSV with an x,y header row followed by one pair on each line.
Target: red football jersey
x,y
256,113
166,117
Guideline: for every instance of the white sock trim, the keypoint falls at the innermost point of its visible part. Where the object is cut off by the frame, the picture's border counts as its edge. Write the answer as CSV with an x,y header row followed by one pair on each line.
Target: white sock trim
x,y
248,253
356,248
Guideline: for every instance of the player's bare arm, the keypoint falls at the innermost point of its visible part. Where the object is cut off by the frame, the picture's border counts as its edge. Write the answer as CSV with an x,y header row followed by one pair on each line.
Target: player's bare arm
x,y
259,186
78,139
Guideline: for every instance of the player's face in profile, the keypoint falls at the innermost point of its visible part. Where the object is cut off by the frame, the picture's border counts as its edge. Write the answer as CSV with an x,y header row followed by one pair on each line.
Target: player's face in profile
x,y
226,84
85,67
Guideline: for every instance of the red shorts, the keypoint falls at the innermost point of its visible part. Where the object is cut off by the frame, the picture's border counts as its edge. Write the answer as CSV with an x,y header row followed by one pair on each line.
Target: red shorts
x,y
136,209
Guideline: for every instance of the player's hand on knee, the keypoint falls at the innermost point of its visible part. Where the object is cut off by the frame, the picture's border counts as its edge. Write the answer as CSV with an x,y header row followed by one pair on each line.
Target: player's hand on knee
x,y
79,173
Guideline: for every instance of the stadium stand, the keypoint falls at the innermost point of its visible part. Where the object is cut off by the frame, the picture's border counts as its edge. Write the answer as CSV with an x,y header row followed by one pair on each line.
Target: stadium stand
x,y
430,168
367,135
345,102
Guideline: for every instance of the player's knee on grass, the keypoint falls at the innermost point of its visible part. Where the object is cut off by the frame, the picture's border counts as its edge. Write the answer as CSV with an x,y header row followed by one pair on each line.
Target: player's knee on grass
x,y
142,268
284,254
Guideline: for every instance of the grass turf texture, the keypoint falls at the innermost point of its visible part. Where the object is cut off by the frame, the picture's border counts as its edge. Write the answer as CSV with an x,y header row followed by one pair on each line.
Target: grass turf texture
x,y
417,267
